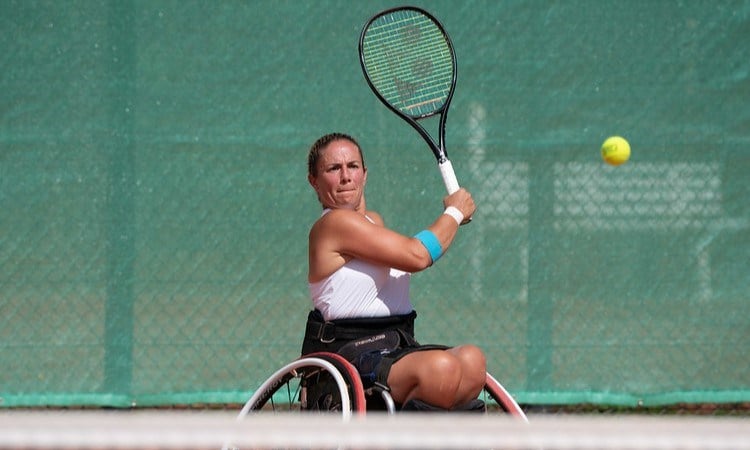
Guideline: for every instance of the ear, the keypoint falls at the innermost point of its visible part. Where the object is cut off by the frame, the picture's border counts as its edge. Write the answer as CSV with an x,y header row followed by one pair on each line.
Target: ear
x,y
311,180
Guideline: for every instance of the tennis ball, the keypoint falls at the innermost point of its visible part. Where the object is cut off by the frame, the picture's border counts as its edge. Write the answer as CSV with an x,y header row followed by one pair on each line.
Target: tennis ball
x,y
615,150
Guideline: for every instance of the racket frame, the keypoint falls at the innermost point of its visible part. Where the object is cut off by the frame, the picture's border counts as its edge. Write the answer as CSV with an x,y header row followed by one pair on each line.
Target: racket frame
x,y
437,148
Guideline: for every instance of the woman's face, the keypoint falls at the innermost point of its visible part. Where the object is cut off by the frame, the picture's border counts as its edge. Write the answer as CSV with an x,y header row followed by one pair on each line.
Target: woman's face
x,y
340,176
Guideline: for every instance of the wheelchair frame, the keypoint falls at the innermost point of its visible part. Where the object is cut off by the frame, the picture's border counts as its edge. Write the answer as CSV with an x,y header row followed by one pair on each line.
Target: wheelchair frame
x,y
294,380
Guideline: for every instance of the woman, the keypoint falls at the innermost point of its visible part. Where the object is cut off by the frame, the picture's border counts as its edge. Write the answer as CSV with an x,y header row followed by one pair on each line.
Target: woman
x,y
359,283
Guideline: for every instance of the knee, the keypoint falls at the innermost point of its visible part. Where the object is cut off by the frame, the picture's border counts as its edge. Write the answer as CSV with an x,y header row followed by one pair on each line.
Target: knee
x,y
473,357
456,376
473,364
447,364
445,371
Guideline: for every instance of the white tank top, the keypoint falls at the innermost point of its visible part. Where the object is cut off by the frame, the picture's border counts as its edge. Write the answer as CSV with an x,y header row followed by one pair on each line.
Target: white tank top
x,y
362,289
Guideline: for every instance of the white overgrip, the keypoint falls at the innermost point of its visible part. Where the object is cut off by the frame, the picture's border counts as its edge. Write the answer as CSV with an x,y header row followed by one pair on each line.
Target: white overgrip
x,y
449,176
451,183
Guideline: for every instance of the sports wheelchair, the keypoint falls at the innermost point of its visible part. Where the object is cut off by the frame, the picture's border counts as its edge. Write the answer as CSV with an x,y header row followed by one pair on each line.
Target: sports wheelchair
x,y
327,382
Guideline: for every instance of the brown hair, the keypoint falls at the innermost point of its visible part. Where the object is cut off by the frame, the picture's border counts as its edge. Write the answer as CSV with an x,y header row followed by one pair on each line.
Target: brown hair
x,y
322,143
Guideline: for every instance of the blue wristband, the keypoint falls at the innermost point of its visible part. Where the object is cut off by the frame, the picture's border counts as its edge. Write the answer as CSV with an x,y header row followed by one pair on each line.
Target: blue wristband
x,y
431,243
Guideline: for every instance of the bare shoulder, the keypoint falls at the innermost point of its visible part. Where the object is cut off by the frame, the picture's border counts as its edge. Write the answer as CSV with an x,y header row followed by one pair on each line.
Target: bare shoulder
x,y
336,220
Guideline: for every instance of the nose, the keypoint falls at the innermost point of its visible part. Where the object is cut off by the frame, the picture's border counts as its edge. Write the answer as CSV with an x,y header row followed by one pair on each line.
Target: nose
x,y
345,175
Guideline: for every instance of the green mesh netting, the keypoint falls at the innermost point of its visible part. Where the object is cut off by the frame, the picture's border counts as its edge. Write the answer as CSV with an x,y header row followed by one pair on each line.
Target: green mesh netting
x,y
154,207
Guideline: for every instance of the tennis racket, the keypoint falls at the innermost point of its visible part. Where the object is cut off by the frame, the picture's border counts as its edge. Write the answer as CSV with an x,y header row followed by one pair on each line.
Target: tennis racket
x,y
409,63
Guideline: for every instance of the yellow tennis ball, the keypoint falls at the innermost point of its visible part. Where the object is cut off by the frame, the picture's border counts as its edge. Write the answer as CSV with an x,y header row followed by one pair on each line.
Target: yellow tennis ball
x,y
615,150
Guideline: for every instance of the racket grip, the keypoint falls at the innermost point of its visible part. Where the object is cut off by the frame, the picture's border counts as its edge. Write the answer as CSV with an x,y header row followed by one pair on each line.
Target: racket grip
x,y
449,176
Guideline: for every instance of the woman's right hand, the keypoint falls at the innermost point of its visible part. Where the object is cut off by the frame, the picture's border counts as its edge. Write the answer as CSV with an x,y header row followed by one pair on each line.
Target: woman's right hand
x,y
462,200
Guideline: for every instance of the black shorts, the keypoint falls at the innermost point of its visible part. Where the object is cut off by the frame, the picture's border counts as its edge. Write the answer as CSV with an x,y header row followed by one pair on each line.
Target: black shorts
x,y
371,344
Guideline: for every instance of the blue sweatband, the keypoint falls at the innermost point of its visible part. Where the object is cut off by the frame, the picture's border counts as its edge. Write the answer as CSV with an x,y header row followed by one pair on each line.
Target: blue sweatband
x,y
431,243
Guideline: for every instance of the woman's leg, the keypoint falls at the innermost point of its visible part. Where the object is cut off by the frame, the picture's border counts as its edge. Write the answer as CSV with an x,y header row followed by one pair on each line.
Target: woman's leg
x,y
473,370
442,378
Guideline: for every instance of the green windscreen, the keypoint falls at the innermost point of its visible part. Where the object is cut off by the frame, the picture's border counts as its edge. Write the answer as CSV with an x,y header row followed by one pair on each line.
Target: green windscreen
x,y
155,208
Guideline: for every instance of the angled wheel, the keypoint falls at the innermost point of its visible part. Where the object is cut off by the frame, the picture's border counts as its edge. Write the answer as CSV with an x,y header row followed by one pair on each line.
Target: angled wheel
x,y
319,382
494,391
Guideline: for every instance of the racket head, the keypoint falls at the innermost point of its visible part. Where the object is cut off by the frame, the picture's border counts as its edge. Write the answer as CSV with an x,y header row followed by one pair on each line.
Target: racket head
x,y
408,61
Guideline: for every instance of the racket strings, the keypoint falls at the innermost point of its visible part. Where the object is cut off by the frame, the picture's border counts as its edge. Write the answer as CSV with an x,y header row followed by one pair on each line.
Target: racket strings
x,y
409,61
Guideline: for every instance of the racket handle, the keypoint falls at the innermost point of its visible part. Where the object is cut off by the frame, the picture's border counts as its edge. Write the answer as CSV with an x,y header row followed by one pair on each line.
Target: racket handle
x,y
449,176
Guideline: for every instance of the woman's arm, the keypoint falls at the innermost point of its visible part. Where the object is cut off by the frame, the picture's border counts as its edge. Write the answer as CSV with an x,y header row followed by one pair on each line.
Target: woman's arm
x,y
341,235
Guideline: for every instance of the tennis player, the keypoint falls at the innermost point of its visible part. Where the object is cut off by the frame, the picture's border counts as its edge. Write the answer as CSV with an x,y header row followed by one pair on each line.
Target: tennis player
x,y
358,278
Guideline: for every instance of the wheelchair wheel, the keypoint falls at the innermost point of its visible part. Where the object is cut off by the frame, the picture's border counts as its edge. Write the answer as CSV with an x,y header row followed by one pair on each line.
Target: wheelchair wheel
x,y
494,391
318,382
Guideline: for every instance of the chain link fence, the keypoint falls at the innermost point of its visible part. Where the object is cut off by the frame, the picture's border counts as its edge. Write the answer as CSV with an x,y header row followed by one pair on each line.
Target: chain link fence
x,y
154,208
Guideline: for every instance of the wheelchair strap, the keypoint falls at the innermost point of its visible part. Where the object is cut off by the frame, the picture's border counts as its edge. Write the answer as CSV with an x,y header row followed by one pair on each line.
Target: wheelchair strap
x,y
348,329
